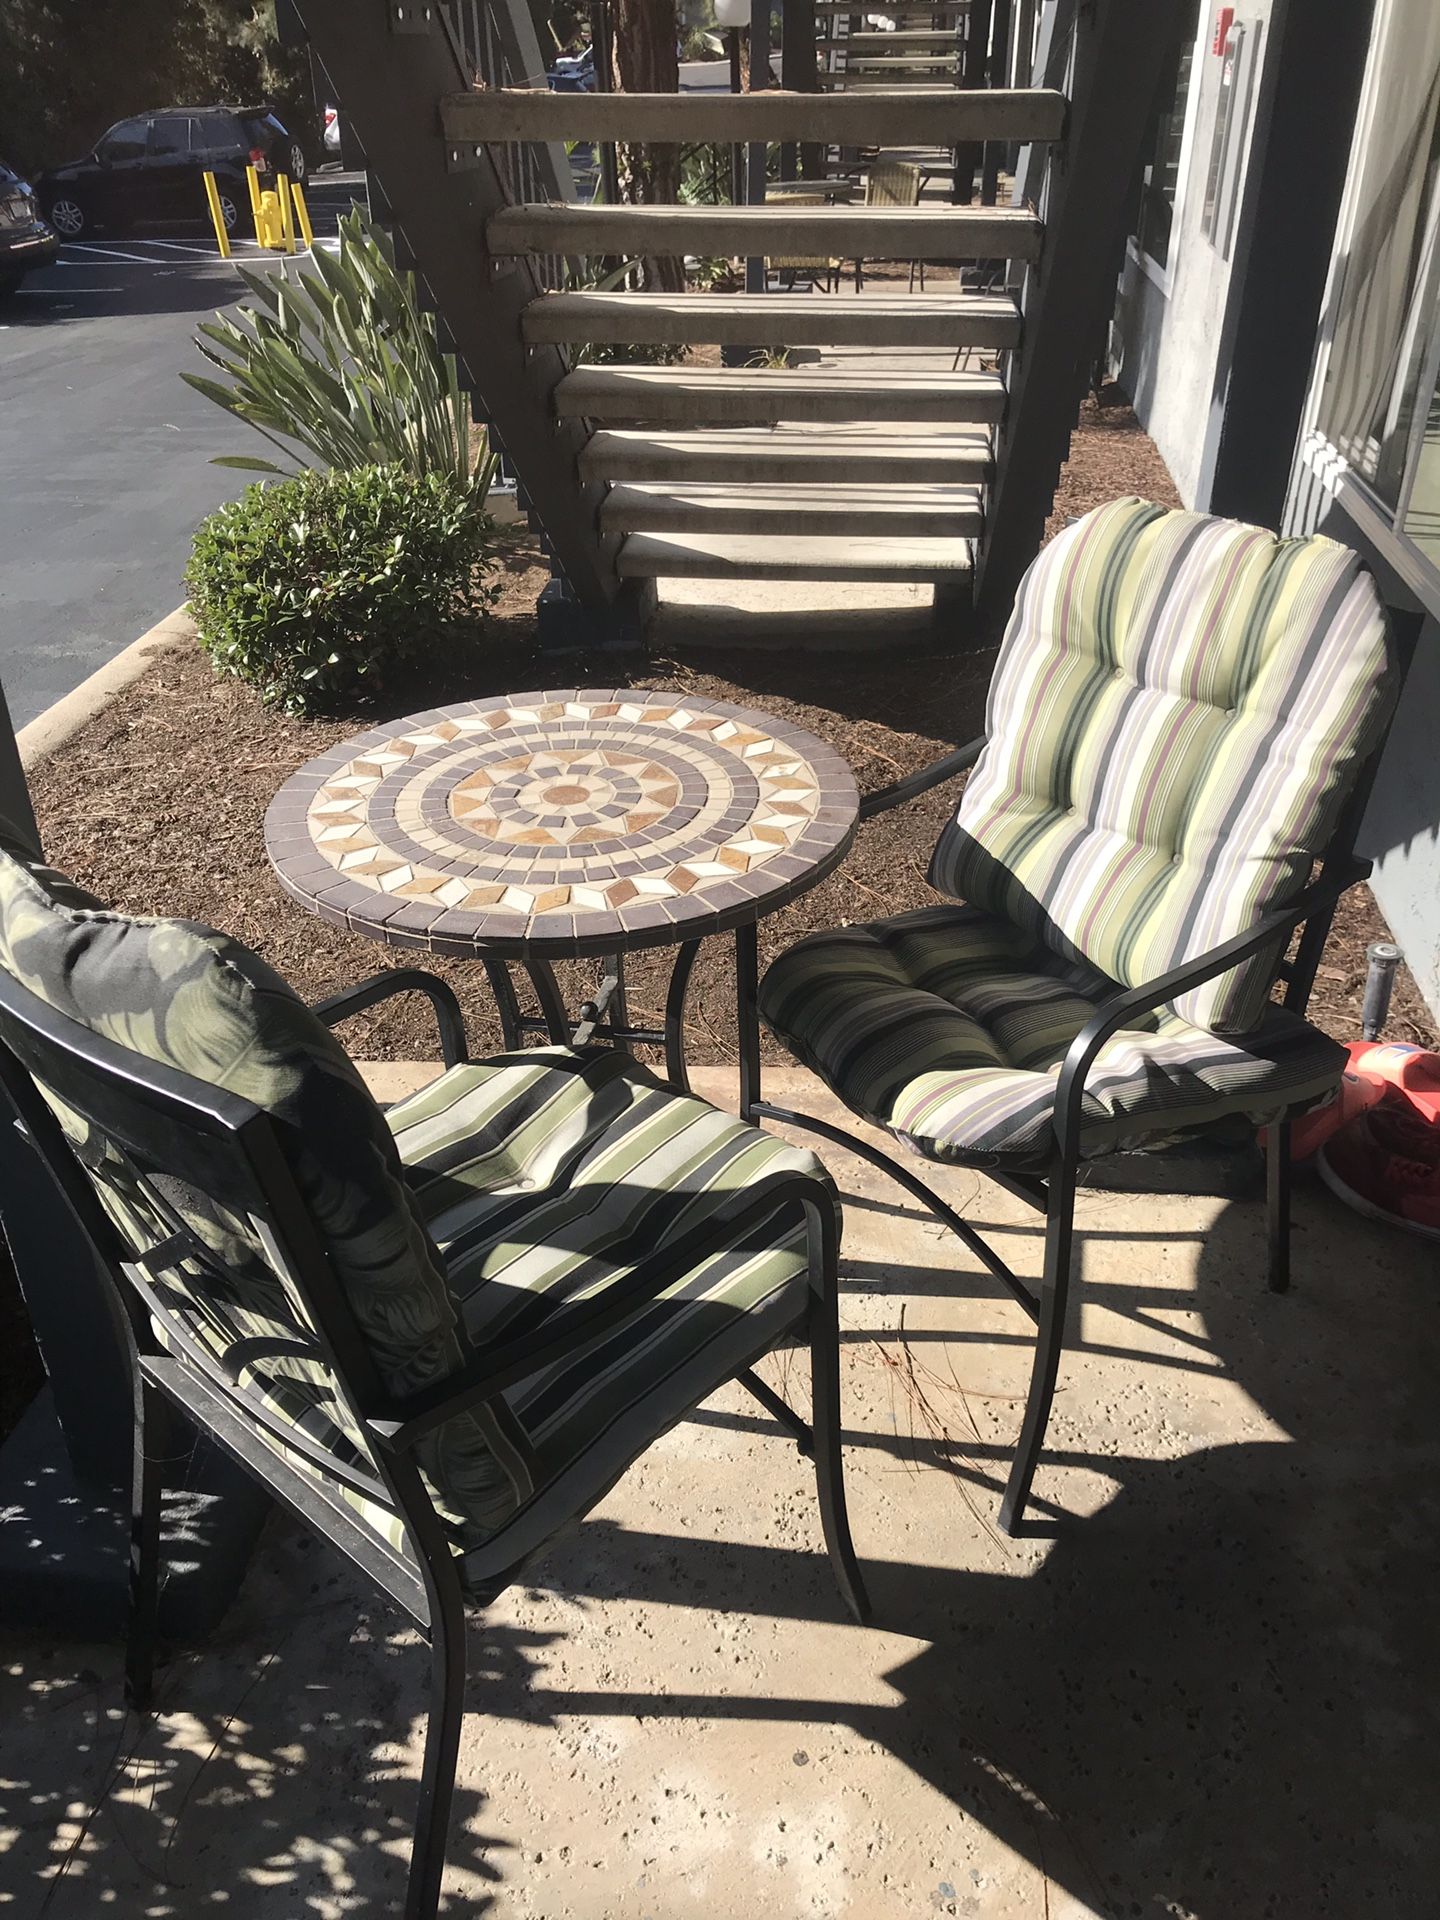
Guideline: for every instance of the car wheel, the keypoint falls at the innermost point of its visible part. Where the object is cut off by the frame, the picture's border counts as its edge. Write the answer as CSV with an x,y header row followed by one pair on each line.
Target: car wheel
x,y
68,217
230,212
297,164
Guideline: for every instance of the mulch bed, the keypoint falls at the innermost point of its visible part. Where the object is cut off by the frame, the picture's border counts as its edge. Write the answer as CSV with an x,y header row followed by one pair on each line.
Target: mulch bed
x,y
158,804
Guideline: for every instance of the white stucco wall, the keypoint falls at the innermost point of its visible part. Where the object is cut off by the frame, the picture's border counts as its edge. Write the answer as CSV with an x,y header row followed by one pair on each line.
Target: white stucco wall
x,y
1167,335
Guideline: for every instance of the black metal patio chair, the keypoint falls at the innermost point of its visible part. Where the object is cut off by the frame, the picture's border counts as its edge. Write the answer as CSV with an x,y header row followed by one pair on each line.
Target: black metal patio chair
x,y
438,1334
1185,718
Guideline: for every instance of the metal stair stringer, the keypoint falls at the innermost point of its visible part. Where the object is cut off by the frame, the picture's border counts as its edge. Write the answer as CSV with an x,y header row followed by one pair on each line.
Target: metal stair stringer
x,y
1116,56
392,62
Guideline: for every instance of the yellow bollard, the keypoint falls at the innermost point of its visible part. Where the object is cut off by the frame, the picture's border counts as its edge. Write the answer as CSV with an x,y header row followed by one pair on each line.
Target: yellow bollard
x,y
287,217
268,232
252,180
302,214
212,194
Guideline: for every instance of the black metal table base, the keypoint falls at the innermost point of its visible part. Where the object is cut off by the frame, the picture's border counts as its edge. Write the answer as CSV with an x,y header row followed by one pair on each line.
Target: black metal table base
x,y
606,1016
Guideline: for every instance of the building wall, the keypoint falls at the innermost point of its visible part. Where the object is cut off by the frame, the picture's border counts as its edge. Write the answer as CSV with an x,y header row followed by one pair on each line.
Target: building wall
x,y
1168,332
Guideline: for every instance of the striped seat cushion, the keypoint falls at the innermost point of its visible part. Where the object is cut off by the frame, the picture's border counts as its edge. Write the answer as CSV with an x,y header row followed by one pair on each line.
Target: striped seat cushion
x,y
545,1178
1177,713
949,1027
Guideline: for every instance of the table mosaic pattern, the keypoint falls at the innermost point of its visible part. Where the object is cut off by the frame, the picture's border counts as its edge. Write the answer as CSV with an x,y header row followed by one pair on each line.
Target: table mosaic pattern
x,y
578,821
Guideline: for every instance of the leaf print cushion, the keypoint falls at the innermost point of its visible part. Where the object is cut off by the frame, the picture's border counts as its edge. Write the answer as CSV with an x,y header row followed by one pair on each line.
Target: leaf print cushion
x,y
182,995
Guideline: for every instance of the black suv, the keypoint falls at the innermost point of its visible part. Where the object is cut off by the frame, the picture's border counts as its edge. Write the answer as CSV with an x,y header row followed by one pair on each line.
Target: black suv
x,y
149,169
25,240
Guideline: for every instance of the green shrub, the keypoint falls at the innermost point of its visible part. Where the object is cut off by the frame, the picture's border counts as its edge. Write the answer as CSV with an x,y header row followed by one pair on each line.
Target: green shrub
x,y
313,588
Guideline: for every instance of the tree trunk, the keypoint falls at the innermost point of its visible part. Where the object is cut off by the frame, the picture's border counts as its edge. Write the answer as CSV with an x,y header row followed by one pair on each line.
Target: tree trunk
x,y
646,62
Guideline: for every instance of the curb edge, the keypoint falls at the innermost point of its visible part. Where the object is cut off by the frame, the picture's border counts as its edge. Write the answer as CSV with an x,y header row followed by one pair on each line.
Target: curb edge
x,y
49,731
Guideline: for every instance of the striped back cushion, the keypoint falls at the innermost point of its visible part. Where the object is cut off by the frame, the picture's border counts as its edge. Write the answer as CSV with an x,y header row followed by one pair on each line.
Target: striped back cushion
x,y
1179,708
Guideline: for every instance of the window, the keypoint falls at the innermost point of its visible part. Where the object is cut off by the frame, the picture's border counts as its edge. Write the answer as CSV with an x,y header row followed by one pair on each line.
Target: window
x,y
1161,179
1379,401
124,141
170,134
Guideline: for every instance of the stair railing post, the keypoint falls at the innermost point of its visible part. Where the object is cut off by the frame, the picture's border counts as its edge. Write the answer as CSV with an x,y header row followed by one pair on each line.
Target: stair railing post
x,y
1067,295
974,66
757,153
600,38
798,75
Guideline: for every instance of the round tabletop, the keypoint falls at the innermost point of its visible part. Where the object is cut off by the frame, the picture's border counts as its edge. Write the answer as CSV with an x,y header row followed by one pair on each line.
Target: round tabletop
x,y
587,821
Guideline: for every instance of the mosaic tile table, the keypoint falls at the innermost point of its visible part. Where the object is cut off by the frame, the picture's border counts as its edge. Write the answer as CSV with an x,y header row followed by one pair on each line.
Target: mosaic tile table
x,y
586,822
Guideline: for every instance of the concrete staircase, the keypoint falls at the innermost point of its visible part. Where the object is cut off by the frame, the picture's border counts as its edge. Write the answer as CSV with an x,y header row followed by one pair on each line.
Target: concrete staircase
x,y
823,472
921,440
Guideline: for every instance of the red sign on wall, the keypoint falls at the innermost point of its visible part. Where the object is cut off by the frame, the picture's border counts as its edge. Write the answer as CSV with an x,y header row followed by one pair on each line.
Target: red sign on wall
x,y
1224,20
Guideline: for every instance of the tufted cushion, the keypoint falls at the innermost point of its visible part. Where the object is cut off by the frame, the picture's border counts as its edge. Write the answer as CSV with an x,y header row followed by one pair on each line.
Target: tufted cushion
x,y
949,1027
187,997
547,1177
1178,711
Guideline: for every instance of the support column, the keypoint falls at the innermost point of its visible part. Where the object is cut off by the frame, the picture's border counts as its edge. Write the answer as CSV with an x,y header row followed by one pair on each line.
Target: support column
x,y
1299,158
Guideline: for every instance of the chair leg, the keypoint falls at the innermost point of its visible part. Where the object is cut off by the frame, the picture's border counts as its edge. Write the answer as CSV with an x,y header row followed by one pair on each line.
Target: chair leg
x,y
147,1487
1277,1195
1049,1343
824,1329
442,1742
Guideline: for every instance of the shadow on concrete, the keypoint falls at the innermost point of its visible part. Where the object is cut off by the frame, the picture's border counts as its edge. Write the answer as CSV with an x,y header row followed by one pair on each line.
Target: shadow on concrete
x,y
1216,1698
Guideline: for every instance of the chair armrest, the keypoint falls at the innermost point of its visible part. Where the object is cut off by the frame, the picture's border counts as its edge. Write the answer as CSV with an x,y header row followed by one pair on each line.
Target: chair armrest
x,y
400,1425
1115,1012
914,784
454,1050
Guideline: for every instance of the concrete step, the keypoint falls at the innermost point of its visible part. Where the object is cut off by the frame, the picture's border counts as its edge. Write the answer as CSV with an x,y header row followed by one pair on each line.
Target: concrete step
x,y
901,63
756,556
943,117
698,396
779,229
903,38
789,319
865,455
795,511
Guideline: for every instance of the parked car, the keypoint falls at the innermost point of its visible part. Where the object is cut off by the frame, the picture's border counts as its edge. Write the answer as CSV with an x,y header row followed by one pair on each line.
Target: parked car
x,y
573,72
149,169
25,240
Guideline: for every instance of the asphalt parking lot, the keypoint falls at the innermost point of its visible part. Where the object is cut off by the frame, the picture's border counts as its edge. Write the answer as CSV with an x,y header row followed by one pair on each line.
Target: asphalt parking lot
x,y
105,453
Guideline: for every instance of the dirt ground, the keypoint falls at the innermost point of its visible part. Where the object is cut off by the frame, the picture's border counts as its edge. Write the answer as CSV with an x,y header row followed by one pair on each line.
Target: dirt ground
x,y
158,805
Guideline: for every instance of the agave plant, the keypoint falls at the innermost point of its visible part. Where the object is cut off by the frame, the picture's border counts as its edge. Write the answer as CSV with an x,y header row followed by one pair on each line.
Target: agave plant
x,y
344,365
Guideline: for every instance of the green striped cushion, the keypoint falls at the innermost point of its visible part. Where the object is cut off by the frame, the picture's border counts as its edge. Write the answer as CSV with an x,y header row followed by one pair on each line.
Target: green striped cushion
x,y
546,1177
949,1027
1178,710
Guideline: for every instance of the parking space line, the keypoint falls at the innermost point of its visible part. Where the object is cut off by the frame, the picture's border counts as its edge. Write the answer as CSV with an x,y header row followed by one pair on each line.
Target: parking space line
x,y
94,251
203,247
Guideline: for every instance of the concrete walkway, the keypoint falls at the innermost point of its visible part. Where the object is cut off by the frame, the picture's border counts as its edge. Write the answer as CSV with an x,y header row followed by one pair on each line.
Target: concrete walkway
x,y
1205,1692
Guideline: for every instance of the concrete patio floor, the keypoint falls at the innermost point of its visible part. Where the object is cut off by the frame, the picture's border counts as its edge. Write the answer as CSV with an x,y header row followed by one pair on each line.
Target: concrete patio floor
x,y
1205,1690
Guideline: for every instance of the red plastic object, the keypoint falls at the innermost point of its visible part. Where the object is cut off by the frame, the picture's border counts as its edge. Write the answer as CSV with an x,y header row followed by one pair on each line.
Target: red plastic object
x,y
1386,1163
1375,1067
1224,20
